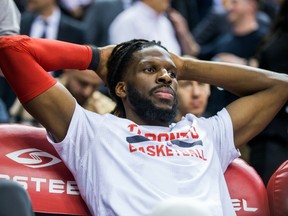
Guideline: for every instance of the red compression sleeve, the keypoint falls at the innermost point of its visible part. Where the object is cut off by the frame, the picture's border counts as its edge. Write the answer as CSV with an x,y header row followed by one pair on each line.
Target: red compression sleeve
x,y
25,61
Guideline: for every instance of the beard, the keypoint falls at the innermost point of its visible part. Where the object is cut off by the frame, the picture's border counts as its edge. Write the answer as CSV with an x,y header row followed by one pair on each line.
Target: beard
x,y
144,107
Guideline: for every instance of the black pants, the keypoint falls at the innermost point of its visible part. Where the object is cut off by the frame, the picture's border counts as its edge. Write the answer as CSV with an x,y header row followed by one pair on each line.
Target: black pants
x,y
14,200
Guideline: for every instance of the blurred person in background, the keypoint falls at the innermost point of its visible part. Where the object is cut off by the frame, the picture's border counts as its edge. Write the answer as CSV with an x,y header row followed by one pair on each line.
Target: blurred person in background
x,y
84,85
208,19
98,18
214,23
193,10
238,45
44,19
75,8
192,98
158,21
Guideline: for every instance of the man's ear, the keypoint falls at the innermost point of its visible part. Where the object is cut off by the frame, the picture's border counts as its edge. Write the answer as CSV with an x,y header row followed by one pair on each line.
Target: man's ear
x,y
121,89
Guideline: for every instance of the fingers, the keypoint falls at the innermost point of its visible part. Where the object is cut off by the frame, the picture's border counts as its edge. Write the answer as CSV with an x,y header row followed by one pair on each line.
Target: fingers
x,y
105,53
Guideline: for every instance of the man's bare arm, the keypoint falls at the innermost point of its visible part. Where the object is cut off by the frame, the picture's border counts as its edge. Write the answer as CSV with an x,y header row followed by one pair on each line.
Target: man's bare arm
x,y
262,93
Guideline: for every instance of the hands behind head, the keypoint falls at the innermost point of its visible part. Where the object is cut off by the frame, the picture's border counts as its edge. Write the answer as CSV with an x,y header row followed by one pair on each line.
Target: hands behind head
x,y
181,66
105,53
177,61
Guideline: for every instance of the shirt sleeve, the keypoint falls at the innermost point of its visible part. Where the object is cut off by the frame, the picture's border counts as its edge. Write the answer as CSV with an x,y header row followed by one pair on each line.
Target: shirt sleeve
x,y
74,147
224,138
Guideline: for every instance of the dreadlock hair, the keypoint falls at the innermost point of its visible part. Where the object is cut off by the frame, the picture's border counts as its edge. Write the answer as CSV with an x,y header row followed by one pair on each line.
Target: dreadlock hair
x,y
118,64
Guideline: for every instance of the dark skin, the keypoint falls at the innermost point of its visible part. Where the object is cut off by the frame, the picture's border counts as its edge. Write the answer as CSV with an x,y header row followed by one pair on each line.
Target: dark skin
x,y
54,108
157,69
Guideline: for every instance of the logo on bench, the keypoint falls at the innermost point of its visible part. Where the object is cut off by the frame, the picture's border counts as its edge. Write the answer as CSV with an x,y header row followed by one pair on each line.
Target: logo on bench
x,y
33,158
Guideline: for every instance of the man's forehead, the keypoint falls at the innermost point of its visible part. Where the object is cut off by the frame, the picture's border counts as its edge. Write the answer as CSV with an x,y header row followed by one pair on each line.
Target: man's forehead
x,y
152,52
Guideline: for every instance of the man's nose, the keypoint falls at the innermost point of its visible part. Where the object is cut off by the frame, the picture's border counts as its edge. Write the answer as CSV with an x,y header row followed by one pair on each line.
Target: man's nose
x,y
164,77
196,91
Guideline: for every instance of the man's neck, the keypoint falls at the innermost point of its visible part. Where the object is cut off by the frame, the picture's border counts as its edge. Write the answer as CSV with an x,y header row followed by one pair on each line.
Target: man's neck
x,y
140,121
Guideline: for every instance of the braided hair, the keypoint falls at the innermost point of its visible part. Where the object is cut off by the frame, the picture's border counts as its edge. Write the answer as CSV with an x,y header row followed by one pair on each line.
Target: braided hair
x,y
118,64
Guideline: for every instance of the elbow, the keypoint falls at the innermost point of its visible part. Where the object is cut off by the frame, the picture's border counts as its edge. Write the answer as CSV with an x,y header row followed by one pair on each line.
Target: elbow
x,y
282,86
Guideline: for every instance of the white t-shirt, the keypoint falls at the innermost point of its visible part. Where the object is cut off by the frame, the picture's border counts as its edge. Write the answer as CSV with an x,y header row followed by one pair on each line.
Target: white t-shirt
x,y
140,21
122,168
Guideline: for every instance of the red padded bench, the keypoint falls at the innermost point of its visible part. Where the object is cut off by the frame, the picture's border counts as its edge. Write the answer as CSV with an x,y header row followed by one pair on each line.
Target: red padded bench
x,y
27,157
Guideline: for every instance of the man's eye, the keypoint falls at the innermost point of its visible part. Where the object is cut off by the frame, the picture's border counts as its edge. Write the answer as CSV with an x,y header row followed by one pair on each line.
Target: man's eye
x,y
172,74
149,70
